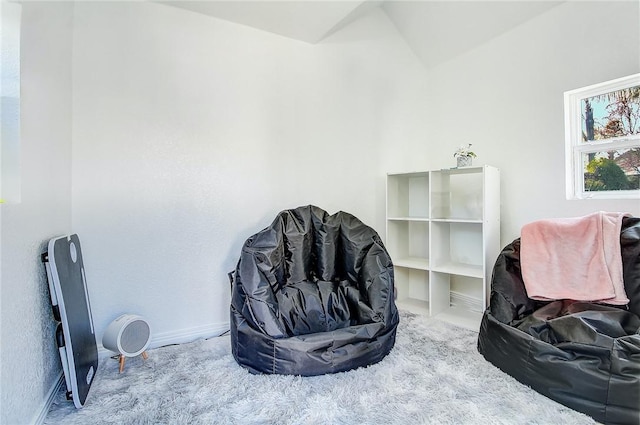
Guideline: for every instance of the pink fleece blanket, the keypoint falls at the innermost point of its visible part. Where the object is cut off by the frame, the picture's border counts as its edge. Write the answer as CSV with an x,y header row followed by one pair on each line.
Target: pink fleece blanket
x,y
574,258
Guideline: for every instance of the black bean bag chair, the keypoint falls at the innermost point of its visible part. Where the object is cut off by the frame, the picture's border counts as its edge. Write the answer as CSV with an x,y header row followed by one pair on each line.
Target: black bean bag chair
x,y
583,355
312,294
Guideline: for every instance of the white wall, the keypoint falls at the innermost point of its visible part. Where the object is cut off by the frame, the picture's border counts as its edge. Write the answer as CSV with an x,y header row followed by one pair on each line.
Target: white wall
x,y
506,97
30,362
191,133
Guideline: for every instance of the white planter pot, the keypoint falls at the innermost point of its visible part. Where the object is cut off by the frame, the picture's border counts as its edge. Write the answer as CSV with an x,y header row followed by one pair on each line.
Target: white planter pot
x,y
465,161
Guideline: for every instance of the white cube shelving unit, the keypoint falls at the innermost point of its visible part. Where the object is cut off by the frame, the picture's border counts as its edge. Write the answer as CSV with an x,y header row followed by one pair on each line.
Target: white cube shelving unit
x,y
443,234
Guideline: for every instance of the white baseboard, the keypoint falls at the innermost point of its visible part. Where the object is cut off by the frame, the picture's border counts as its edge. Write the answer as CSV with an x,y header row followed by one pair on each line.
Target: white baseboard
x,y
51,395
179,336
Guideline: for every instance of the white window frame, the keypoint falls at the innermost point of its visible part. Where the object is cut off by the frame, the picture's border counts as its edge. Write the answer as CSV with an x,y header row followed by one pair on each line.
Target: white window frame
x,y
574,148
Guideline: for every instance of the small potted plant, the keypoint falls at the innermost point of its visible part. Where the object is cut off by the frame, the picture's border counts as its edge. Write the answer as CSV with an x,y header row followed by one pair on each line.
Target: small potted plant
x,y
464,156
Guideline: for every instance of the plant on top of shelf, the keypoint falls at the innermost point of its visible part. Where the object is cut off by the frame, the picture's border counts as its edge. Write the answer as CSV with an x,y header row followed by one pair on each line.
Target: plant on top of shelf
x,y
465,156
464,151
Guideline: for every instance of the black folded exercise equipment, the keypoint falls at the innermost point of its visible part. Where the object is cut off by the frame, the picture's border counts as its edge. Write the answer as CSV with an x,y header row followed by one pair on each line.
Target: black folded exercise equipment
x,y
75,333
312,294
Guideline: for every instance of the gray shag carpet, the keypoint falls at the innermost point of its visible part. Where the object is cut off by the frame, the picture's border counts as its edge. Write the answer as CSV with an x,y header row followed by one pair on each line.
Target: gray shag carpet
x,y
433,375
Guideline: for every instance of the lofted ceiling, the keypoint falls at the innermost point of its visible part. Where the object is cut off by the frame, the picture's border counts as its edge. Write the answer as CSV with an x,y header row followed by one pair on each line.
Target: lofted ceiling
x,y
305,20
436,30
441,30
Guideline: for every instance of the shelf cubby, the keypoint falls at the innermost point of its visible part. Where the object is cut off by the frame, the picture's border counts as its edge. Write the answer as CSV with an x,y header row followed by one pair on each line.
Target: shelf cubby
x,y
408,240
460,299
457,194
458,248
408,195
413,289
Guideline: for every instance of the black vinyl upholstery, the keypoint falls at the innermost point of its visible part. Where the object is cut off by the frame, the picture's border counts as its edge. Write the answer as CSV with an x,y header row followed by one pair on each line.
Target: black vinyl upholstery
x,y
312,294
583,355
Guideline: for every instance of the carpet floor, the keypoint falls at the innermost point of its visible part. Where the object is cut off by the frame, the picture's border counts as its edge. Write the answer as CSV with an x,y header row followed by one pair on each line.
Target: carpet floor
x,y
434,375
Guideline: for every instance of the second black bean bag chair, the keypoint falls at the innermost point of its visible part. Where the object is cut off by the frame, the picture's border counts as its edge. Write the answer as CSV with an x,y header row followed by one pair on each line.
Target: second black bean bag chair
x,y
584,355
312,294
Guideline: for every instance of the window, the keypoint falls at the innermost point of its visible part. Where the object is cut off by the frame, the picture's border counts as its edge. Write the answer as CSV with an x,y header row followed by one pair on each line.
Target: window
x,y
10,102
602,138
